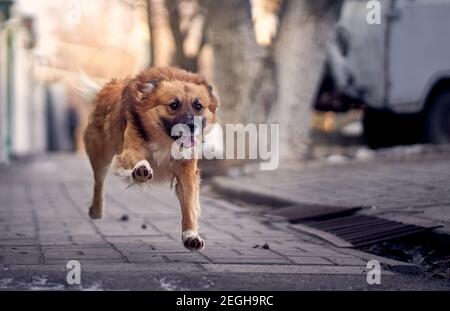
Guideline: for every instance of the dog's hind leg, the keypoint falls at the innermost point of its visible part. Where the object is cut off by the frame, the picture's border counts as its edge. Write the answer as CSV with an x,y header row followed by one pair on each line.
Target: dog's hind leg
x,y
100,156
100,170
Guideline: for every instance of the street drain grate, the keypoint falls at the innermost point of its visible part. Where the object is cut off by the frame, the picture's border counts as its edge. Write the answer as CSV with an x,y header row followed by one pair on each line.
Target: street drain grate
x,y
357,230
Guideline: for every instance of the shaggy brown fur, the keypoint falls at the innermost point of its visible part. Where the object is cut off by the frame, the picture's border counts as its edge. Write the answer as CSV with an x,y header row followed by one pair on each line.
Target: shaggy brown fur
x,y
131,121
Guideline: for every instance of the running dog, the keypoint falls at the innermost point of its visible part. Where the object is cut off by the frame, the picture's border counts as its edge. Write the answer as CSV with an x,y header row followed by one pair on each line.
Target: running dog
x,y
131,126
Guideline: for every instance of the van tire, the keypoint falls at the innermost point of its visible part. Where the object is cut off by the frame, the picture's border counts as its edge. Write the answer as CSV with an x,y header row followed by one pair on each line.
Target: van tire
x,y
437,127
374,126
383,128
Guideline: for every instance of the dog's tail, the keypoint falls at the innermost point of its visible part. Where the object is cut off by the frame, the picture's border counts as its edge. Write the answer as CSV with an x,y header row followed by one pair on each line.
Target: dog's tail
x,y
87,88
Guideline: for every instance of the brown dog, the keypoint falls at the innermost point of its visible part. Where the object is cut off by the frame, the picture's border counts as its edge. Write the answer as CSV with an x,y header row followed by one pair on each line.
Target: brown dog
x,y
132,122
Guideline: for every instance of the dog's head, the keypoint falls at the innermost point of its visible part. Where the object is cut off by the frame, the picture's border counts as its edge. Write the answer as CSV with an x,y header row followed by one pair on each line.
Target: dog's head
x,y
168,105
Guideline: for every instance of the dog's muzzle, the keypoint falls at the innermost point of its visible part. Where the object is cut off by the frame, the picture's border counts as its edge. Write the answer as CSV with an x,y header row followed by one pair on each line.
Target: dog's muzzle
x,y
186,130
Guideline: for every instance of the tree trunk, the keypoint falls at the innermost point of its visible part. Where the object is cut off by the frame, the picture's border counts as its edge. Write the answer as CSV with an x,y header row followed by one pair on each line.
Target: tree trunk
x,y
277,84
162,40
299,54
241,67
181,60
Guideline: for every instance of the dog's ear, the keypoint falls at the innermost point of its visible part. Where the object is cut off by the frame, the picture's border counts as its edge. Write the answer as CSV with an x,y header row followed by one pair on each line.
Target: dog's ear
x,y
149,86
131,94
136,91
146,89
214,104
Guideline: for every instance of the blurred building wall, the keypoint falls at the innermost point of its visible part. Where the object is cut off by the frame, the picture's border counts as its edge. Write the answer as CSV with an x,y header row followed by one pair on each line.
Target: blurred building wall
x,y
22,117
44,48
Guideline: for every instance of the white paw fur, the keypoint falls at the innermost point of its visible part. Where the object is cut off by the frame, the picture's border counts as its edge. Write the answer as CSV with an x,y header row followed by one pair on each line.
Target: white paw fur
x,y
127,175
191,240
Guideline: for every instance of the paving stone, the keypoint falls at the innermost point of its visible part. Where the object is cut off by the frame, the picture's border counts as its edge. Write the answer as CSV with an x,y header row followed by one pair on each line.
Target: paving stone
x,y
245,261
172,247
347,261
186,257
322,251
4,249
91,244
303,260
133,247
147,239
18,242
85,261
144,257
256,253
87,253
292,252
219,252
76,248
284,269
27,259
98,266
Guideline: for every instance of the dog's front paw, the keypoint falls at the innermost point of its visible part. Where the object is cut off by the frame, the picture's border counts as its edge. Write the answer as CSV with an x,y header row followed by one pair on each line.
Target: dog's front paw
x,y
192,241
142,171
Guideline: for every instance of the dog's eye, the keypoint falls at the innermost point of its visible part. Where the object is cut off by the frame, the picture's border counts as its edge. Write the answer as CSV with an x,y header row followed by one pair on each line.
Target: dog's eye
x,y
174,105
197,106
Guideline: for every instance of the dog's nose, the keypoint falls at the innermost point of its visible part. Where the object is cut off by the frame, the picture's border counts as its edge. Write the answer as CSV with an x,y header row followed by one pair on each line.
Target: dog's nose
x,y
191,125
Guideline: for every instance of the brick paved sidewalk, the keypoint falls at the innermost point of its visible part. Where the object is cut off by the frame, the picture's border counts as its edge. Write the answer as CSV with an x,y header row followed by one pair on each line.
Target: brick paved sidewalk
x,y
44,223
411,188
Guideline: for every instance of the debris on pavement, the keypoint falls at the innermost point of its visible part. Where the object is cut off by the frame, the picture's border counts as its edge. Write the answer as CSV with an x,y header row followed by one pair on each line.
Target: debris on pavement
x,y
264,246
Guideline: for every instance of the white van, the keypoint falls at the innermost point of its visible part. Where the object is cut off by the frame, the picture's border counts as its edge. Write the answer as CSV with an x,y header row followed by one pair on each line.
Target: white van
x,y
398,69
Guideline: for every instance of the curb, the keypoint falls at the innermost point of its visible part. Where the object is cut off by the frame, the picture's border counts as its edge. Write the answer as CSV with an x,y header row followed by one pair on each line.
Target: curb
x,y
394,265
249,193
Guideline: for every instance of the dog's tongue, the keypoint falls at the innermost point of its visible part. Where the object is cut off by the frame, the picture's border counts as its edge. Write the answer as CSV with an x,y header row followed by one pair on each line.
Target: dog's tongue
x,y
188,141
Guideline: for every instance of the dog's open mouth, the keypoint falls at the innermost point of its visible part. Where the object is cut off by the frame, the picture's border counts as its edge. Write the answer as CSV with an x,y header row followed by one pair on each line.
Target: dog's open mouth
x,y
187,141
189,134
